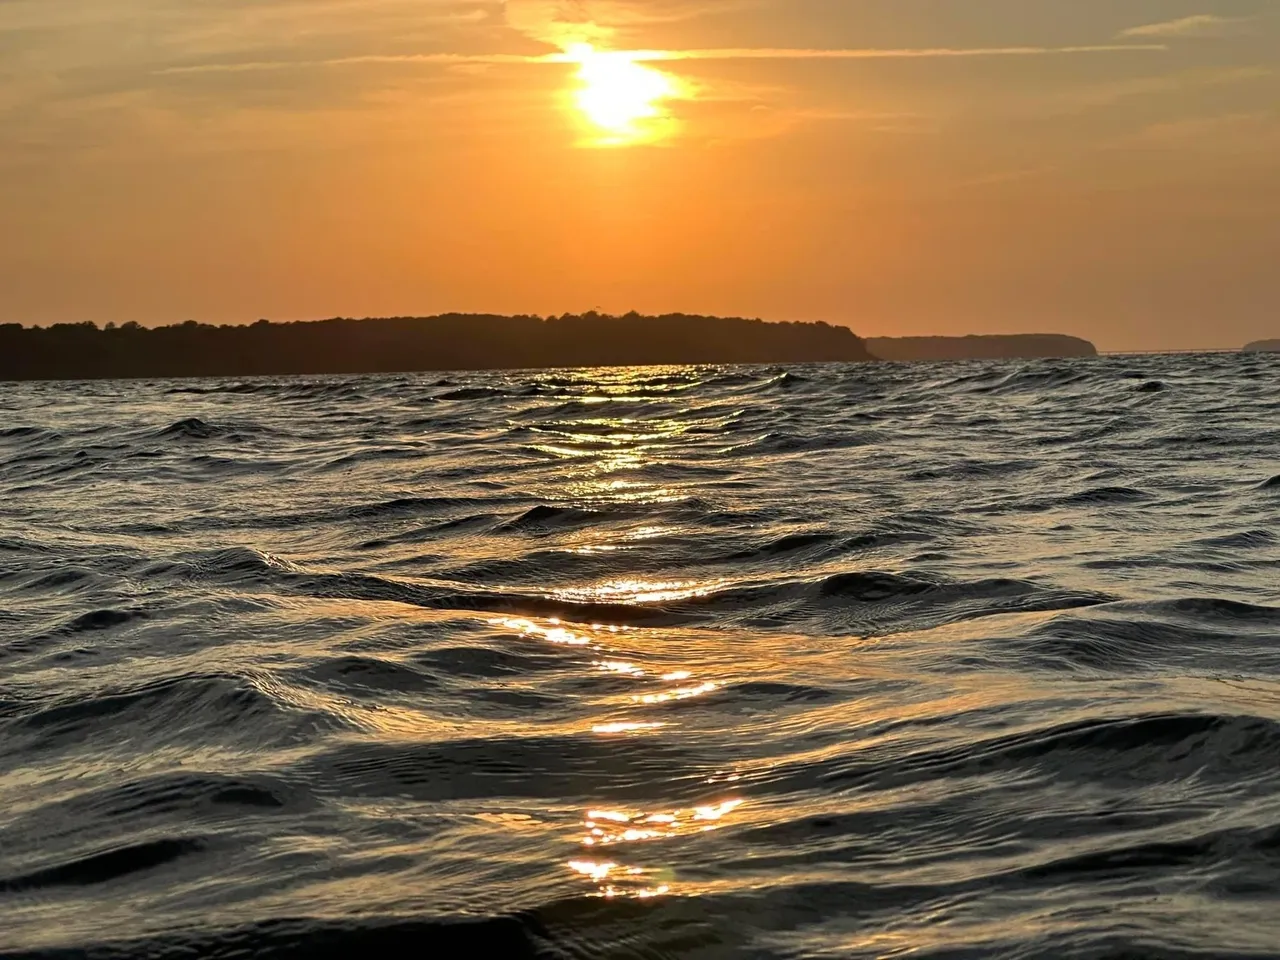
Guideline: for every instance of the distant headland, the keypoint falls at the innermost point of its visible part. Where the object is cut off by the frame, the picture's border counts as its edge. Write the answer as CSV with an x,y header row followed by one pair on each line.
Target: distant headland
x,y
1263,346
406,344
1032,346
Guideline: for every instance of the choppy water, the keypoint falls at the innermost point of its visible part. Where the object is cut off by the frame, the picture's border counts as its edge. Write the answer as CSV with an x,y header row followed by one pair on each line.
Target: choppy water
x,y
838,661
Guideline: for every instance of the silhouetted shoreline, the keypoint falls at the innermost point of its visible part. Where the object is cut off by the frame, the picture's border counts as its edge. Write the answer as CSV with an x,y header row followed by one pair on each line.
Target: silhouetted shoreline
x,y
1028,346
1263,346
84,351
408,344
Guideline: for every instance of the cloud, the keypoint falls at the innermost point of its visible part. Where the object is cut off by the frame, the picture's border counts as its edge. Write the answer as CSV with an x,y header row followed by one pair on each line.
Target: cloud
x,y
1200,25
564,23
1245,134
1107,94
443,59
560,23
884,53
665,56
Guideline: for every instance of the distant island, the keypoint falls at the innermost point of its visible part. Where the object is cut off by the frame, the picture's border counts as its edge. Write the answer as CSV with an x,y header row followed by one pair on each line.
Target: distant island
x,y
1263,346
84,351
1016,347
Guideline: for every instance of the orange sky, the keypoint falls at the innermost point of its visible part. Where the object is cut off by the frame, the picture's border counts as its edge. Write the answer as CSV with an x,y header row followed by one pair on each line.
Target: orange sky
x,y
1107,169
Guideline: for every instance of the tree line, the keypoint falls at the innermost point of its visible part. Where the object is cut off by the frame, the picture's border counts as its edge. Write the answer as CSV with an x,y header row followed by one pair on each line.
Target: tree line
x,y
341,345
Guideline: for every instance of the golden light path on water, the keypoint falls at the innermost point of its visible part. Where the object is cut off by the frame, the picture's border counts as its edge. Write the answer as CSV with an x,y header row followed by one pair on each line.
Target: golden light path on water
x,y
621,828
624,99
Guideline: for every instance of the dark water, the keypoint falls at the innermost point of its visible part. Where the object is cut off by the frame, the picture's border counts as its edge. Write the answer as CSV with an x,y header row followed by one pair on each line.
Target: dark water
x,y
935,661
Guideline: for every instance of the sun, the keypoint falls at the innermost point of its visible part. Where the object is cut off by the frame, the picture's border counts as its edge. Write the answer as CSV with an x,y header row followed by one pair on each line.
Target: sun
x,y
623,100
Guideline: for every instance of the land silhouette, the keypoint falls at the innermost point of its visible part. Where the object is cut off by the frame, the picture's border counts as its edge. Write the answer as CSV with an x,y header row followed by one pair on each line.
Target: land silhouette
x,y
1029,346
1263,346
85,351
403,344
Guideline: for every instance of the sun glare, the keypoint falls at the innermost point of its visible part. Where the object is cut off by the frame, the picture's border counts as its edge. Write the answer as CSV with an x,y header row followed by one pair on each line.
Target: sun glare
x,y
622,99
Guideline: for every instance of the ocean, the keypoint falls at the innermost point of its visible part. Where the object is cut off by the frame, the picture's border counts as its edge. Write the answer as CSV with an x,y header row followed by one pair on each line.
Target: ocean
x,y
973,660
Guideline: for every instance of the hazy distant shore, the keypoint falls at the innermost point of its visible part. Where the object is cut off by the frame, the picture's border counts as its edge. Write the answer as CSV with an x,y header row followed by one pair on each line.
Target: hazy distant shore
x,y
1263,346
1029,346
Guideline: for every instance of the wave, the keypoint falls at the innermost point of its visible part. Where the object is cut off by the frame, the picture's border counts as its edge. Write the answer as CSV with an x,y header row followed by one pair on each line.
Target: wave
x,y
1172,637
234,389
98,620
1038,377
571,768
666,929
1098,496
870,599
104,867
1148,748
213,800
401,507
295,939
545,516
781,441
472,393
28,433
193,428
972,470
193,707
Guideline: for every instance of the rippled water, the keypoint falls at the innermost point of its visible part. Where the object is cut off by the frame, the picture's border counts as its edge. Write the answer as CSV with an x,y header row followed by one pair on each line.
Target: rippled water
x,y
974,660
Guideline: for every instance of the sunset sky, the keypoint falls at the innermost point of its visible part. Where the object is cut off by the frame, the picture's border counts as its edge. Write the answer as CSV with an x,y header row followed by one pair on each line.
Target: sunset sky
x,y
1106,168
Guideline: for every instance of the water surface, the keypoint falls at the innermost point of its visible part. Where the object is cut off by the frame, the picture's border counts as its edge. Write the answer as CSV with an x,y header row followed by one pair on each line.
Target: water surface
x,y
971,660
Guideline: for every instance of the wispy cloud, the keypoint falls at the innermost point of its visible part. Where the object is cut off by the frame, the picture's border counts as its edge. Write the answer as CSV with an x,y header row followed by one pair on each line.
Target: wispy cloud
x,y
565,23
660,56
1200,25
879,53
444,59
